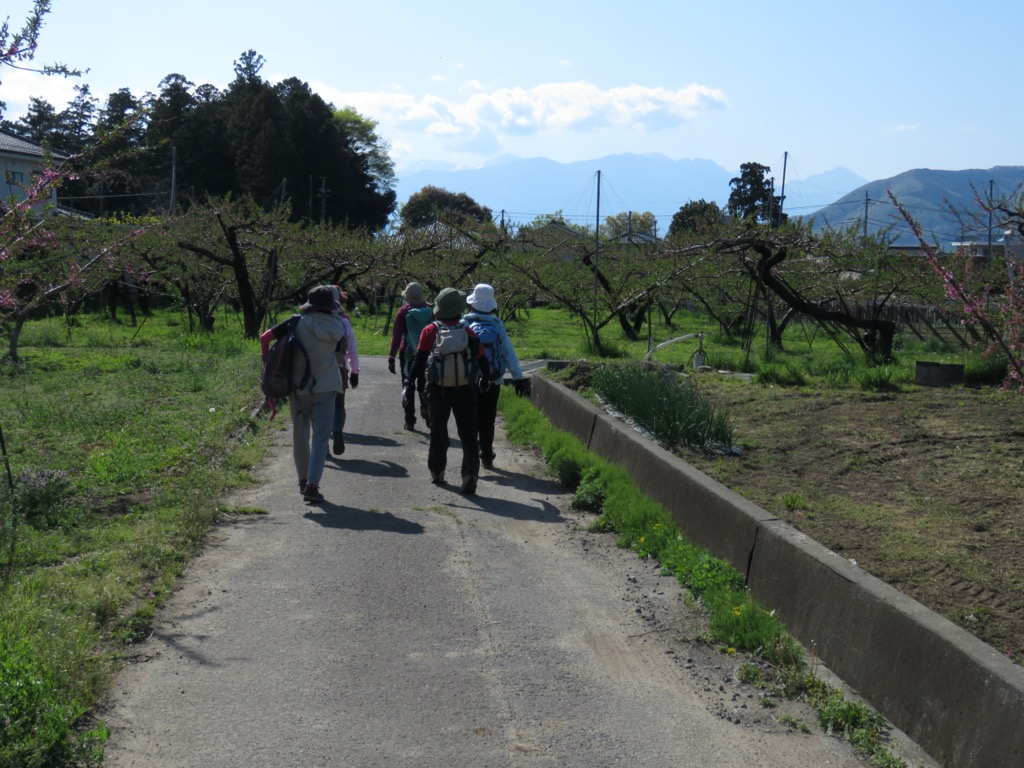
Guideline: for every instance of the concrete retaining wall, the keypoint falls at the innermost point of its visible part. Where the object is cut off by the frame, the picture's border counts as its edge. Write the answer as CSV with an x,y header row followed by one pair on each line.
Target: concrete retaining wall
x,y
957,697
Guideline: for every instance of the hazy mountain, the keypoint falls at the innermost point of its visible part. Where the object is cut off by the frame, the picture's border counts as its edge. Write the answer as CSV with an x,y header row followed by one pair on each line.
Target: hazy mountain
x,y
927,195
527,188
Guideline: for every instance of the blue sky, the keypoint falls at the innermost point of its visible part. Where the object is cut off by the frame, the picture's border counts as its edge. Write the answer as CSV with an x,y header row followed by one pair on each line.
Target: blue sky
x,y
875,87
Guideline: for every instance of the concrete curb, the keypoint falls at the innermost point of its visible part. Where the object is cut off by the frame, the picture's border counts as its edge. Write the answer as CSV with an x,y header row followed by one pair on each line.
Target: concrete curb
x,y
957,697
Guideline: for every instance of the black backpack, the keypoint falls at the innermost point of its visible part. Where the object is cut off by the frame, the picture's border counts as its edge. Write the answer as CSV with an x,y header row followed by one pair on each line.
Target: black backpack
x,y
277,380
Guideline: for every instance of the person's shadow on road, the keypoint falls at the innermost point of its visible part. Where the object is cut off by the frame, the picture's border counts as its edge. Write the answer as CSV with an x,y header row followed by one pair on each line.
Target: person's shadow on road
x,y
335,516
365,467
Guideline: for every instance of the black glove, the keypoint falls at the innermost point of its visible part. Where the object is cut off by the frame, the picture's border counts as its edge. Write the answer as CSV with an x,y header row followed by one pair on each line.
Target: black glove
x,y
522,387
405,396
484,384
391,364
353,380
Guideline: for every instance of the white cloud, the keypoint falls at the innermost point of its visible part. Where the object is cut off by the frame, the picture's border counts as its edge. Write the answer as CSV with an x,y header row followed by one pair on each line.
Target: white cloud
x,y
19,87
579,107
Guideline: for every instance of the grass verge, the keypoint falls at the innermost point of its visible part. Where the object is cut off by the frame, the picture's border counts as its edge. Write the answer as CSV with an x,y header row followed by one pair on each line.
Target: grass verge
x,y
119,442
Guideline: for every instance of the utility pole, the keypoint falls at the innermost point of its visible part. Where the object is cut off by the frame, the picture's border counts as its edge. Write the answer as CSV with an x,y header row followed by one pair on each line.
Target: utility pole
x,y
323,199
597,250
990,183
174,181
865,214
782,194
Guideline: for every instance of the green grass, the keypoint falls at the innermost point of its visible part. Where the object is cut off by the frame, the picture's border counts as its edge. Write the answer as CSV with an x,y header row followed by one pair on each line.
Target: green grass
x,y
736,622
120,440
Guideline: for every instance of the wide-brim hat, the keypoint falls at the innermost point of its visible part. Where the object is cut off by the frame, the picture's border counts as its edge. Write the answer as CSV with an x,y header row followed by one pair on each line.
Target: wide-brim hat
x,y
449,305
321,297
413,293
482,298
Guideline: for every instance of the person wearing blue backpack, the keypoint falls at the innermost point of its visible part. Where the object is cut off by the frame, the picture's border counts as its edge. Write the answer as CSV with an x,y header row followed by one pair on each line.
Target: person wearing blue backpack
x,y
412,317
501,357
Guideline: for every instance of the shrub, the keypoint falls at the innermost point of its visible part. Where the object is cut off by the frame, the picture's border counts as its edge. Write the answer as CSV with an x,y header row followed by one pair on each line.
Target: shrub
x,y
878,378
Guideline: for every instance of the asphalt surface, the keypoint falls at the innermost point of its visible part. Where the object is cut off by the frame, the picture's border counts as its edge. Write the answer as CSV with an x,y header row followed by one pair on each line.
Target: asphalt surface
x,y
404,624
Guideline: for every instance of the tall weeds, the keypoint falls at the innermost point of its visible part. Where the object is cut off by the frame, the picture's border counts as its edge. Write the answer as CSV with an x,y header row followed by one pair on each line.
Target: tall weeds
x,y
666,404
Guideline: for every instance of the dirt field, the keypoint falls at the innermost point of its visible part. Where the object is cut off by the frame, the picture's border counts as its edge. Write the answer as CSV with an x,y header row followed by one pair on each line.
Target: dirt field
x,y
923,488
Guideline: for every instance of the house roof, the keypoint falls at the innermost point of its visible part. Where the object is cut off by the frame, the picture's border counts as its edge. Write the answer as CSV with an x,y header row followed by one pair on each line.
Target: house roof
x,y
12,144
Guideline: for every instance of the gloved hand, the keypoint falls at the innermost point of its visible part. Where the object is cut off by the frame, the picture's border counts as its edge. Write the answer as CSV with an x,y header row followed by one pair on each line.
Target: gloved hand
x,y
391,365
353,380
484,385
405,397
522,387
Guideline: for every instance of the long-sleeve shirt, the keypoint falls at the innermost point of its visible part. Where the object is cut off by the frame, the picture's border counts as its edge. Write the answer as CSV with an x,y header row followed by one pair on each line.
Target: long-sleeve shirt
x,y
349,358
401,327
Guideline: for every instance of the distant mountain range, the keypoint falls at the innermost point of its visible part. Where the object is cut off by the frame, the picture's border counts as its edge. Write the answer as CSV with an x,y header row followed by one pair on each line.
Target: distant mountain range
x,y
522,189
526,188
928,196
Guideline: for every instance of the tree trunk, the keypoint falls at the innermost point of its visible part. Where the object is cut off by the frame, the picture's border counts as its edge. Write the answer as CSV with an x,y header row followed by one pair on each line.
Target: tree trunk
x,y
13,336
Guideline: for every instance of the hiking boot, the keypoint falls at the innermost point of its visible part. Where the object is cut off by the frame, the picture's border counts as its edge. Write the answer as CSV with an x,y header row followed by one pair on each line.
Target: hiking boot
x,y
339,442
302,486
312,494
487,460
437,478
410,424
468,485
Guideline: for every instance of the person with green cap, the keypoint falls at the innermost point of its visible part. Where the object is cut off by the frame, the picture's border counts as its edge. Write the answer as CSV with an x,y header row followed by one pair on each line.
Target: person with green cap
x,y
449,353
410,320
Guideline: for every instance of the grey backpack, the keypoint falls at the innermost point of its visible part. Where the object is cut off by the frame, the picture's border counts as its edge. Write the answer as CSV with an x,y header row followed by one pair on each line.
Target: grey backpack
x,y
449,363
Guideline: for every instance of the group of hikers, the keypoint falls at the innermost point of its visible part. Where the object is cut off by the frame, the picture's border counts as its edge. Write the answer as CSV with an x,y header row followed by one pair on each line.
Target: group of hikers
x,y
452,363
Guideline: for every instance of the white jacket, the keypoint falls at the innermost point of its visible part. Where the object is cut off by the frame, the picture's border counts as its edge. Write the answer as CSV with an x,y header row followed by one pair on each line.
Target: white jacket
x,y
319,333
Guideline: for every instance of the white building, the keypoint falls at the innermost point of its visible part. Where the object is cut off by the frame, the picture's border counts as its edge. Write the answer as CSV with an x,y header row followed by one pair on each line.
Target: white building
x,y
21,161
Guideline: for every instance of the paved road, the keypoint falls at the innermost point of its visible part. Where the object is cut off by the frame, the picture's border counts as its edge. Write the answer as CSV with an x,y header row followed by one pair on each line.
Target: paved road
x,y
403,624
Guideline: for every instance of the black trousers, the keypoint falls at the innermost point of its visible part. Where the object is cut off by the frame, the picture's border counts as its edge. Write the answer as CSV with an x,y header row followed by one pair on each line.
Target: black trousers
x,y
487,413
460,402
407,359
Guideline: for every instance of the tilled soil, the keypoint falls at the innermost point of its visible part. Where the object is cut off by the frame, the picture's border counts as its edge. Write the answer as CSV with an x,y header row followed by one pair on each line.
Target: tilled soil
x,y
923,488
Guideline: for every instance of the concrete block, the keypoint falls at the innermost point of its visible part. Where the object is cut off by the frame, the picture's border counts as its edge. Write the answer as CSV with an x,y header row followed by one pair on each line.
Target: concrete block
x,y
563,408
954,695
710,515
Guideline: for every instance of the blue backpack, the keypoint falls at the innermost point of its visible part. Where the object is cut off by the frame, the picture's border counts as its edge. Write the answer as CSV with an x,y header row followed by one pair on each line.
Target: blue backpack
x,y
490,337
277,380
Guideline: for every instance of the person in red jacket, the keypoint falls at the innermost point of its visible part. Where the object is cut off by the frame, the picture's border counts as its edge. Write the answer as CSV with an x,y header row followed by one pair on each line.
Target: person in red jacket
x,y
452,396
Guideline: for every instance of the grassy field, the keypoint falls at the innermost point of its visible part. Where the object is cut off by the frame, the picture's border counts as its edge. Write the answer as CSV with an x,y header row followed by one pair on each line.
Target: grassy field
x,y
120,440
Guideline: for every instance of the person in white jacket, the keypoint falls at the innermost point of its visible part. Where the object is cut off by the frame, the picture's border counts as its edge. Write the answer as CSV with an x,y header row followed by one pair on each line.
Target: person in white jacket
x,y
501,356
321,330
